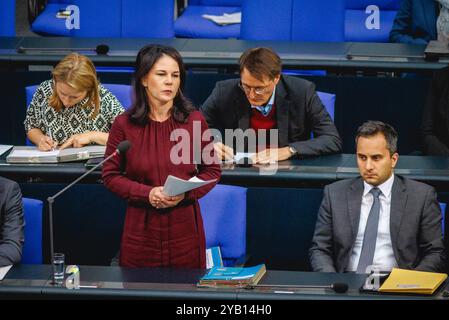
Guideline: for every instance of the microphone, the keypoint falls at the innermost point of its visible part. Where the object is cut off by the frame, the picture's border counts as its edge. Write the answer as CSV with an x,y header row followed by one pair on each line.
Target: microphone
x,y
100,49
122,147
337,287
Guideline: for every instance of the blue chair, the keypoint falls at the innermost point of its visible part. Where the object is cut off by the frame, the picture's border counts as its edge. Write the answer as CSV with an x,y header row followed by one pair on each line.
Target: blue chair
x,y
32,249
191,24
318,21
266,20
224,216
298,20
328,100
356,16
119,18
7,18
46,23
123,93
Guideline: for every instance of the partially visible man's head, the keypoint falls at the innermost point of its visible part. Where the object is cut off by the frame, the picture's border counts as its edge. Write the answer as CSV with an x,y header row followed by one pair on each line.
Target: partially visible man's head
x,y
260,71
376,144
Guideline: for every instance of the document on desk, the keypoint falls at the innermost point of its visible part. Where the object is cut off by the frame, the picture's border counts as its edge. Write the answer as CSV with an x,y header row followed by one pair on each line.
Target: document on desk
x,y
174,186
410,281
4,271
4,148
34,155
239,157
225,19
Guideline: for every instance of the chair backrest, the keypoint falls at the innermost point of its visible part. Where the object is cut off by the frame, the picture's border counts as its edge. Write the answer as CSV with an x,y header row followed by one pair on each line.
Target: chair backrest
x,y
360,17
7,18
328,100
298,20
218,3
224,216
136,24
122,92
32,249
109,18
316,21
266,20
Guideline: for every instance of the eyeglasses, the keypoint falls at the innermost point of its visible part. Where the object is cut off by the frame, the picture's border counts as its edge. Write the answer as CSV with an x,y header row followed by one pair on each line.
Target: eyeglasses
x,y
257,90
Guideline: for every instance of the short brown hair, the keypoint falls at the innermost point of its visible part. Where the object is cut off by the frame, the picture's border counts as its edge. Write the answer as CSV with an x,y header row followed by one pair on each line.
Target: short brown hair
x,y
78,72
261,63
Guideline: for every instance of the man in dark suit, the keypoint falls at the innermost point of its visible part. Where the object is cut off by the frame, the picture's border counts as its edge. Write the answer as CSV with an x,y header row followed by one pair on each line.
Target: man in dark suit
x,y
379,219
264,99
415,22
11,222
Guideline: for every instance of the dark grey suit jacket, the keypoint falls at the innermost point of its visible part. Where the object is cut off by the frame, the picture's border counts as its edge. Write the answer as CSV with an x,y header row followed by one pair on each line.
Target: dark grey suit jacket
x,y
299,112
11,222
415,226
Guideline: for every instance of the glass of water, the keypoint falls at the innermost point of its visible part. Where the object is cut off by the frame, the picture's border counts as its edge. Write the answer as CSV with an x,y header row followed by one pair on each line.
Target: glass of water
x,y
58,260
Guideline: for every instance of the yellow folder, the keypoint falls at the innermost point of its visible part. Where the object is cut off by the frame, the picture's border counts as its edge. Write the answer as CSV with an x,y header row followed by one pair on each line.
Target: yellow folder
x,y
409,281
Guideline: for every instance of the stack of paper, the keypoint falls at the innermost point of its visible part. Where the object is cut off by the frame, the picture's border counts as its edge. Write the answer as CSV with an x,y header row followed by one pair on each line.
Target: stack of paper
x,y
409,281
233,277
34,155
225,19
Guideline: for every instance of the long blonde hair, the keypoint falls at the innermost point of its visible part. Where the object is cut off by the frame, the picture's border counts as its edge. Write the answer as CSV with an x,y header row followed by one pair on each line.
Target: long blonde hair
x,y
78,72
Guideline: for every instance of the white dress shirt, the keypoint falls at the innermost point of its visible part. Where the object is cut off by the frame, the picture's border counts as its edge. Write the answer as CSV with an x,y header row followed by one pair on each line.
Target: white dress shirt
x,y
384,258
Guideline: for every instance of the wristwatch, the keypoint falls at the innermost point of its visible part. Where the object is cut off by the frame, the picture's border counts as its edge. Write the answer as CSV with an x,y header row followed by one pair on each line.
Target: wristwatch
x,y
292,150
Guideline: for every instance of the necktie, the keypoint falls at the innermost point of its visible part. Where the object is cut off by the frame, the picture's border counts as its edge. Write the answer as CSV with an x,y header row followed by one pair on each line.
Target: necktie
x,y
370,236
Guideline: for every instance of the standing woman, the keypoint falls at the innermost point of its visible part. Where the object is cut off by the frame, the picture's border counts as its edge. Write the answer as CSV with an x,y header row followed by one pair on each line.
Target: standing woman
x,y
159,230
71,109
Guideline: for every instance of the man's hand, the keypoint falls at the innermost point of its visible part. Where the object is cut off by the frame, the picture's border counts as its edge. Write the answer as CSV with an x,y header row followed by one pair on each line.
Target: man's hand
x,y
46,144
160,200
223,151
272,155
78,140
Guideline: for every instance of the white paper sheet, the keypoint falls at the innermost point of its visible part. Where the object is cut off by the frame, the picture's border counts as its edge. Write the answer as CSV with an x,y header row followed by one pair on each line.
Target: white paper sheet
x,y
4,148
174,186
225,19
4,271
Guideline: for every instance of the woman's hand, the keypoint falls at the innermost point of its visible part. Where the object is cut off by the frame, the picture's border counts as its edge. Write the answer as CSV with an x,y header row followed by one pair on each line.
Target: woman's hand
x,y
46,144
160,200
78,140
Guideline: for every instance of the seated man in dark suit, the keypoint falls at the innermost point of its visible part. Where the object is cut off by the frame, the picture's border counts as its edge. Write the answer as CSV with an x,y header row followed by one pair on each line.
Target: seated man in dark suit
x,y
379,219
415,22
11,222
264,99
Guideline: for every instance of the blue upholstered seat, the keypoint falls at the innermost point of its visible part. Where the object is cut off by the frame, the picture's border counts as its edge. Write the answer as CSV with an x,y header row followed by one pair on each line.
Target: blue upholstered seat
x,y
32,249
356,16
7,18
191,24
110,18
224,216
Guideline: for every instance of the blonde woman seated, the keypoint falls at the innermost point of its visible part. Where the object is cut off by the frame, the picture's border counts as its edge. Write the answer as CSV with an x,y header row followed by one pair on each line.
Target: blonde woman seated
x,y
73,109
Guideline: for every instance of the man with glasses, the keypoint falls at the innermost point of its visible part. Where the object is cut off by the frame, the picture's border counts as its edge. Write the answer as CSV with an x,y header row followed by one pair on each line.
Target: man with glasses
x,y
264,99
